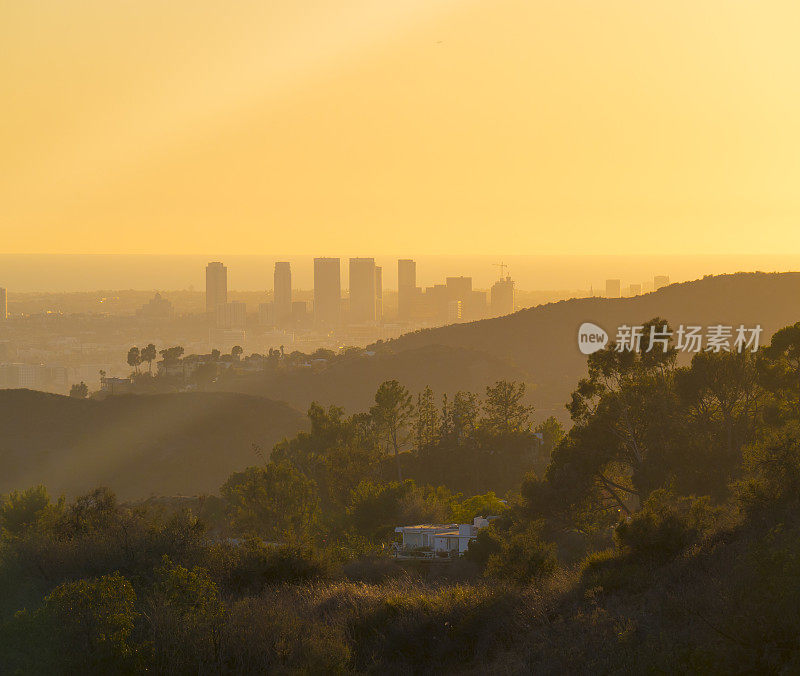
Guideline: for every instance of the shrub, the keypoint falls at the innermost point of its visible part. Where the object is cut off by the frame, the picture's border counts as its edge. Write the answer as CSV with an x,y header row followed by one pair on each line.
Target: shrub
x,y
523,557
664,527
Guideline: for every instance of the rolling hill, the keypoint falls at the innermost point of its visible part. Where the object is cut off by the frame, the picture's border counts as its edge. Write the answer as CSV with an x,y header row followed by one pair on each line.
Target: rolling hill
x,y
542,341
352,382
163,444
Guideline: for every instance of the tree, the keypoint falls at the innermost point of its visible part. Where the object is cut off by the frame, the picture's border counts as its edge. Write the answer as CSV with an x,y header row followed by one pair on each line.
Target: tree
x,y
23,510
172,355
337,453
90,625
504,410
721,404
134,358
622,412
185,616
237,351
79,390
275,502
148,354
426,420
780,364
391,414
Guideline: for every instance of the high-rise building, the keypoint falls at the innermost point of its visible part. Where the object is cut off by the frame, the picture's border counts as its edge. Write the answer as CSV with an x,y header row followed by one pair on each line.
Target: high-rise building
x,y
458,288
473,307
613,287
502,297
378,293
660,281
327,291
3,304
299,312
406,288
266,314
231,315
453,311
635,289
282,293
216,286
362,290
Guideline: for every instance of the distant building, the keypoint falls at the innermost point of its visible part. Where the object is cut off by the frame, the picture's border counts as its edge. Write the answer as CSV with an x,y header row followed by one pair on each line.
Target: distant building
x,y
378,293
660,281
458,288
454,309
435,302
156,308
282,293
407,291
299,312
362,290
473,306
635,289
231,315
327,292
115,385
502,297
216,286
266,314
438,539
3,304
613,287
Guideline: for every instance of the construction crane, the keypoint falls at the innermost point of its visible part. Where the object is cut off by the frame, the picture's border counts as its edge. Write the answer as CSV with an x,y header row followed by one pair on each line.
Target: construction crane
x,y
503,267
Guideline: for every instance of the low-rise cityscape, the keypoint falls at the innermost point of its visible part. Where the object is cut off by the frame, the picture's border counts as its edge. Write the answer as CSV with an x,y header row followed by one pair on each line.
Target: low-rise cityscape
x,y
51,343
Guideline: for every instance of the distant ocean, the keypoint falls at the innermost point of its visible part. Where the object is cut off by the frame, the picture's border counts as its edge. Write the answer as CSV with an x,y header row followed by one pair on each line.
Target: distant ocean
x,y
38,272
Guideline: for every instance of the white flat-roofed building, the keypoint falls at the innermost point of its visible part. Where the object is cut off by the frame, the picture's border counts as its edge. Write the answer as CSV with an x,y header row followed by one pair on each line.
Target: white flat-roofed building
x,y
451,538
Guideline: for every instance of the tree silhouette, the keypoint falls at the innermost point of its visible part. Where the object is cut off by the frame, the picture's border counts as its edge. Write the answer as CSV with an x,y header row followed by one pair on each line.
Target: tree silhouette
x,y
79,390
134,358
391,414
148,354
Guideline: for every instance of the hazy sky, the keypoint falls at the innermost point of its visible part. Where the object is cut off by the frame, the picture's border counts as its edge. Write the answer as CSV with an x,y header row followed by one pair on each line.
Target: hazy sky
x,y
393,126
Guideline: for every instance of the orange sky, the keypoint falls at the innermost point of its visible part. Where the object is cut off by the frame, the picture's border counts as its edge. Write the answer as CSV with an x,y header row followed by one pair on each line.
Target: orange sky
x,y
400,126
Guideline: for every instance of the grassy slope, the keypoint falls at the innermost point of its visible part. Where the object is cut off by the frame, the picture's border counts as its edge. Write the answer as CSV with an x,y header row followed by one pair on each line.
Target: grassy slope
x,y
137,445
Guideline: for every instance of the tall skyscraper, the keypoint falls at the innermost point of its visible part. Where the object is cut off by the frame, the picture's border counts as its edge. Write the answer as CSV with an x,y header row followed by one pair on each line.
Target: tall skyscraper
x,y
502,297
216,286
613,288
282,293
660,281
406,288
327,291
378,293
3,304
362,290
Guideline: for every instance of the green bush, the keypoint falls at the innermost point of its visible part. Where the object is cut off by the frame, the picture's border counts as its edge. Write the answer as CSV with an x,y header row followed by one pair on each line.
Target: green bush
x,y
523,557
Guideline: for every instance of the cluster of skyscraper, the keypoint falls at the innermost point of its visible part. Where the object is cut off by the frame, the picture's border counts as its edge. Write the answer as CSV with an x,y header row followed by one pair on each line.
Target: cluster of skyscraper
x,y
453,301
614,287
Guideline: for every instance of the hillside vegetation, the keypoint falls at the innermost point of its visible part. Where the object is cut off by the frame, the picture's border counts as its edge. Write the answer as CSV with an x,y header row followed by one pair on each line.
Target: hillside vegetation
x,y
542,341
351,383
161,444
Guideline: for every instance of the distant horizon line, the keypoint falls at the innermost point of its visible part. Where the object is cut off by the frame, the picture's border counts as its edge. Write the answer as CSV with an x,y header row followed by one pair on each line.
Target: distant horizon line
x,y
212,256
